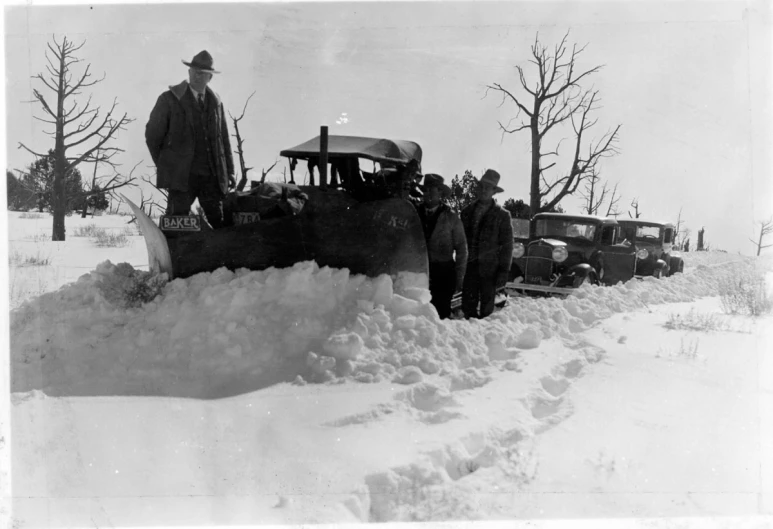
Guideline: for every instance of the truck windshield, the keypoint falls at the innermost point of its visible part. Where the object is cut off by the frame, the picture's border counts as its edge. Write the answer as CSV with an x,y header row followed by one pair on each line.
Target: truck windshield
x,y
648,232
564,228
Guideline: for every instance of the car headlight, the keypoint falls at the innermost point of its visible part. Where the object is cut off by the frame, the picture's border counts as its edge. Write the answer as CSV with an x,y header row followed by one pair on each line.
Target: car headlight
x,y
642,254
518,250
560,254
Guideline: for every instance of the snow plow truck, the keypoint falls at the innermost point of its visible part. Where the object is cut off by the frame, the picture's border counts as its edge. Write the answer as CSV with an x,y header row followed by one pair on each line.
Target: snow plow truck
x,y
356,219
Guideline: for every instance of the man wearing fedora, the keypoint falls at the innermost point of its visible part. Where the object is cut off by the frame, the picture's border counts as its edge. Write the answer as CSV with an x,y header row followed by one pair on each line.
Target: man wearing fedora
x,y
489,247
187,135
446,244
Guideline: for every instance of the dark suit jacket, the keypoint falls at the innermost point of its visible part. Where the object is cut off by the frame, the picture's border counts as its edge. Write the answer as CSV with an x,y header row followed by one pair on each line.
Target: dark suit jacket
x,y
169,135
495,240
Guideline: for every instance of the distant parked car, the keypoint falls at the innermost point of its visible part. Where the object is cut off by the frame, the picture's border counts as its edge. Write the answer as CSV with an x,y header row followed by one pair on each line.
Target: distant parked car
x,y
657,239
564,251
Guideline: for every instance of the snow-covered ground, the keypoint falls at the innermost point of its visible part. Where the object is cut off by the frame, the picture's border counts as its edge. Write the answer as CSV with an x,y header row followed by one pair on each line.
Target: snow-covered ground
x,y
308,395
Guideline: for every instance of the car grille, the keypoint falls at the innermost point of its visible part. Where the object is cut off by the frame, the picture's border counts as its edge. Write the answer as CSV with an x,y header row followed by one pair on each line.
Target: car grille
x,y
539,264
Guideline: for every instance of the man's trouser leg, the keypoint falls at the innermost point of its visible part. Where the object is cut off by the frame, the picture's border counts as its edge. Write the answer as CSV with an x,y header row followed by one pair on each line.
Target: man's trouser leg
x,y
442,282
471,291
178,202
488,292
211,199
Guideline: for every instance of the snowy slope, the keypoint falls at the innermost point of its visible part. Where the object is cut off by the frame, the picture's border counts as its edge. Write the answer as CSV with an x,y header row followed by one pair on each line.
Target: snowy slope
x,y
311,396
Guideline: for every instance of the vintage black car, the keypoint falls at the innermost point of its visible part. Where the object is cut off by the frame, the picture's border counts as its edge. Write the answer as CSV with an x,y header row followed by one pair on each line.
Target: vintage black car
x,y
657,239
564,251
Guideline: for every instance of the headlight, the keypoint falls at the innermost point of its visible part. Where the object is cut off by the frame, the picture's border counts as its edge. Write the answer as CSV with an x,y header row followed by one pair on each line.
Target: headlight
x,y
560,254
642,254
518,250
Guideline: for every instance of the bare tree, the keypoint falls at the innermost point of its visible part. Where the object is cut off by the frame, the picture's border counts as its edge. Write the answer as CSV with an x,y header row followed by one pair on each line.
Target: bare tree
x,y
766,227
701,247
555,98
152,202
680,235
147,204
93,186
594,197
612,210
635,206
264,172
240,145
74,126
106,184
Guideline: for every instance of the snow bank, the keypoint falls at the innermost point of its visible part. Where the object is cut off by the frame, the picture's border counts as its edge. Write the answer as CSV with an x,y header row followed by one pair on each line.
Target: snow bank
x,y
223,333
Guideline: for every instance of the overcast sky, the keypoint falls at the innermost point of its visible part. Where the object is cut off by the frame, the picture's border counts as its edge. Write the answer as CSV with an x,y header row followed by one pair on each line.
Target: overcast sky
x,y
690,84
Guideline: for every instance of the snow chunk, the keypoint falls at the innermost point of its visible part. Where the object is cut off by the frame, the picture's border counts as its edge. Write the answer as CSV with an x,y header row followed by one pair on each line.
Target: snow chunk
x,y
344,346
402,306
530,338
470,378
408,375
421,295
428,397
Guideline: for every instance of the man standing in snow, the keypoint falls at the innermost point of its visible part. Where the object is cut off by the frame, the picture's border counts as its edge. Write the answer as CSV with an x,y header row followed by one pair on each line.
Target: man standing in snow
x,y
490,248
187,135
446,244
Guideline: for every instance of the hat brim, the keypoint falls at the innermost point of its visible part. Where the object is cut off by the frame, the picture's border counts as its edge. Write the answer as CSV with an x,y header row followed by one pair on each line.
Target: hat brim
x,y
444,189
208,70
497,189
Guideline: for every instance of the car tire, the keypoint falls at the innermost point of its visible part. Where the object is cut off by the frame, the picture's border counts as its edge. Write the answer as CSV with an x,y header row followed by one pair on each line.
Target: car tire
x,y
657,273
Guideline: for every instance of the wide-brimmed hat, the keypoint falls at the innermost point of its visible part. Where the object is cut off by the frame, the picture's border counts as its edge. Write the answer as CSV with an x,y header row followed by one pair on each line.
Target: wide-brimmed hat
x,y
435,180
491,177
202,61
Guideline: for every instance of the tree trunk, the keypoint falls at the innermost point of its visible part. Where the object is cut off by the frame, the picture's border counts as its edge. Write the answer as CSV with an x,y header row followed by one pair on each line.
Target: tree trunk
x,y
59,198
759,244
534,194
590,199
85,207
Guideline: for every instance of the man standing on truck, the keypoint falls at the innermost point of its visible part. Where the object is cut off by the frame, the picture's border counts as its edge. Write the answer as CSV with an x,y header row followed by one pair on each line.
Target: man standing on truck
x,y
446,244
187,136
489,235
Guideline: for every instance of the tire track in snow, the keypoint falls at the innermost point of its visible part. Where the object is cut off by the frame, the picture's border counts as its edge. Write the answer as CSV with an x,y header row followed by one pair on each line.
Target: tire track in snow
x,y
431,487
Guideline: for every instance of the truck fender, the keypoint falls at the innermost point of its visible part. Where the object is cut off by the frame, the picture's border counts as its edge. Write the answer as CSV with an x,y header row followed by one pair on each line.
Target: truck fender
x,y
661,268
576,275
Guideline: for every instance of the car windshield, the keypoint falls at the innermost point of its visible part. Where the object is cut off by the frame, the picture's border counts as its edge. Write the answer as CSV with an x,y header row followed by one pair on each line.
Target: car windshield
x,y
648,232
520,228
564,228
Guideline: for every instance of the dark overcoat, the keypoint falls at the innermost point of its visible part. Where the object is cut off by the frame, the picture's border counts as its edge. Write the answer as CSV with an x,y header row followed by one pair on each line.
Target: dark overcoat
x,y
495,240
170,138
447,242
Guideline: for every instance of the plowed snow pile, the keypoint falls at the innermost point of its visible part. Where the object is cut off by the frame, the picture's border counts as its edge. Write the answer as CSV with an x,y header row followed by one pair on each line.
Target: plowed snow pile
x,y
349,400
224,333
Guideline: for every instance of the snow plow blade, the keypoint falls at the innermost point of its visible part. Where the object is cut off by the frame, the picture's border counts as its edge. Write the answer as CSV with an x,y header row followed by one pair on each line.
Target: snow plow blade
x,y
370,238
544,289
159,258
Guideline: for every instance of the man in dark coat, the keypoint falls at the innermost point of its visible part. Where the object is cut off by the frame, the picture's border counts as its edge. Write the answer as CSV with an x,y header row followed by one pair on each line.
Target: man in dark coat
x,y
489,248
187,135
446,244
